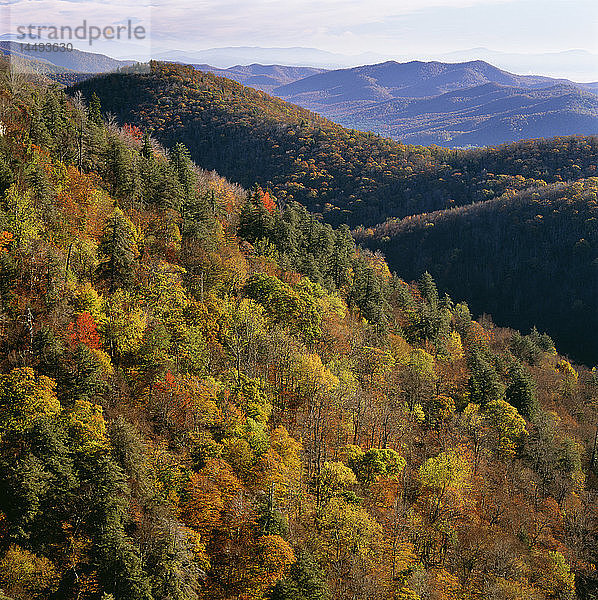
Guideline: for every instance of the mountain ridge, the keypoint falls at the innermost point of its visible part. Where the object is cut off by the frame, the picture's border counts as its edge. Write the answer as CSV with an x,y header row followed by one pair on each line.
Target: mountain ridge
x,y
261,77
73,60
362,97
414,78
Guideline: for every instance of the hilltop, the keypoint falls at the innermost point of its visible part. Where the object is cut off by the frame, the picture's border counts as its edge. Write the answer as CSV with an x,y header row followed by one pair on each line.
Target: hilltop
x,y
262,77
72,60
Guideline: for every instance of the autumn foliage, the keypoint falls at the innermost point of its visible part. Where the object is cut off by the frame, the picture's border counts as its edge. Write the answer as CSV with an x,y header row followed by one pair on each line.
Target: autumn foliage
x,y
208,394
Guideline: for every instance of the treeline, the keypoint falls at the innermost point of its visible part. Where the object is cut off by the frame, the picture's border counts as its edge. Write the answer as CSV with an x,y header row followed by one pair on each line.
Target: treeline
x,y
206,393
528,259
345,175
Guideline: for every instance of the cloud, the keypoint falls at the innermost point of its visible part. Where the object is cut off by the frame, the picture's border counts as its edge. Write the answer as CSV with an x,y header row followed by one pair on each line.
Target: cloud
x,y
350,26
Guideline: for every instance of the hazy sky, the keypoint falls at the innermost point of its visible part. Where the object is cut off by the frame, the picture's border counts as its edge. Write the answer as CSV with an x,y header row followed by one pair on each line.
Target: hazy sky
x,y
388,27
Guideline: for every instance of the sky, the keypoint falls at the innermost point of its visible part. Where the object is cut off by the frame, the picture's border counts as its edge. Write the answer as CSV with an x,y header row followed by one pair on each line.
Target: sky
x,y
388,28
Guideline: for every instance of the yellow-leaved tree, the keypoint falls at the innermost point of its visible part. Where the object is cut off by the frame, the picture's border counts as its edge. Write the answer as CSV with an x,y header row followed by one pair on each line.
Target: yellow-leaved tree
x,y
25,397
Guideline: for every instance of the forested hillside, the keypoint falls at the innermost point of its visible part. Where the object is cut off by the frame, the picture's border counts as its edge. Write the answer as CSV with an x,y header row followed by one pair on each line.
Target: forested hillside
x,y
359,178
527,258
346,175
207,395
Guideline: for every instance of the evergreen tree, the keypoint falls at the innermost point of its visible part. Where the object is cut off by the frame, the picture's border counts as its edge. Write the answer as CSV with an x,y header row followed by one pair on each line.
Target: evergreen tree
x,y
484,383
95,110
121,171
521,392
427,289
180,161
340,257
366,293
146,151
119,249
304,582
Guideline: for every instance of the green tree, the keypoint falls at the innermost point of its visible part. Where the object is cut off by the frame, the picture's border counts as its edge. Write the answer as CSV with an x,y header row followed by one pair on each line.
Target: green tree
x,y
119,249
508,425
25,397
305,581
374,463
95,110
485,385
521,391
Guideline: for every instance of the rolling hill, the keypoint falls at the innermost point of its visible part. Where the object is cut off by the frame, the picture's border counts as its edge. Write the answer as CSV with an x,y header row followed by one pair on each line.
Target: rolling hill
x,y
363,179
74,60
416,79
347,176
487,114
206,396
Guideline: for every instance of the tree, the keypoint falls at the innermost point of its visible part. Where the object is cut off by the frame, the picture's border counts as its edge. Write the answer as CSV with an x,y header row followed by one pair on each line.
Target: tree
x,y
121,170
245,333
427,288
447,470
557,581
335,477
84,330
87,427
119,249
348,538
22,219
367,294
24,398
146,150
443,474
484,382
521,392
508,425
274,557
95,110
418,375
27,576
286,306
305,581
180,161
374,463
124,324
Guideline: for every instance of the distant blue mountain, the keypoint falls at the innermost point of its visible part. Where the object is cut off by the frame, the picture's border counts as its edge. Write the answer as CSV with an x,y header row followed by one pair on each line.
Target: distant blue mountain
x,y
246,55
451,104
262,77
74,60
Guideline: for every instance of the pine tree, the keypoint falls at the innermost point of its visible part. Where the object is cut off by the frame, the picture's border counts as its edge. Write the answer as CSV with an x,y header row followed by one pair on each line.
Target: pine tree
x,y
120,251
484,382
304,582
95,110
121,172
180,161
427,289
146,148
521,391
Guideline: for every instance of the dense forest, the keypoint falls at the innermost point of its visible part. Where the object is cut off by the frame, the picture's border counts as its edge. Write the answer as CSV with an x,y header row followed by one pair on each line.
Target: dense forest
x,y
362,179
207,393
527,258
348,176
